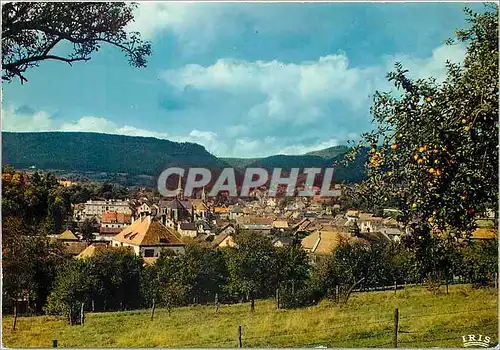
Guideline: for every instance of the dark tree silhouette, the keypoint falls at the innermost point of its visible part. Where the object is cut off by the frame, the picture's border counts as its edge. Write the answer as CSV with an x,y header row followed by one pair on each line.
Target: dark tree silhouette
x,y
31,31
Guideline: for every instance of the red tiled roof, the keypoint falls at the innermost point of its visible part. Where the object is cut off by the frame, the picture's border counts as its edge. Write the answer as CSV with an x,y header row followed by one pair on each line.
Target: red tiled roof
x,y
114,217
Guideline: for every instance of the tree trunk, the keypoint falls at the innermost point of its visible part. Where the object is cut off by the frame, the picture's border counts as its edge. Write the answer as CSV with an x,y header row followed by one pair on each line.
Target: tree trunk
x,y
252,303
15,316
351,289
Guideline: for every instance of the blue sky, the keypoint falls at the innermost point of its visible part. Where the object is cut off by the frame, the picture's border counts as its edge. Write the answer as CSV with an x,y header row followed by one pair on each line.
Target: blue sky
x,y
242,79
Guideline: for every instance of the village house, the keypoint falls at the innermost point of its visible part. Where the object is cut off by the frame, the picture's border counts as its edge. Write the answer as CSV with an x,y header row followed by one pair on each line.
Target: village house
x,y
352,215
71,242
187,229
227,229
143,210
96,208
255,224
224,241
235,213
282,241
222,212
112,223
79,212
280,225
148,238
321,242
204,227
96,248
201,210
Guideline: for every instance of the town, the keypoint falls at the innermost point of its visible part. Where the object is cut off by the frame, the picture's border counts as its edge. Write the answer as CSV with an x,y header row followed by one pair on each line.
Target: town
x,y
219,175
151,225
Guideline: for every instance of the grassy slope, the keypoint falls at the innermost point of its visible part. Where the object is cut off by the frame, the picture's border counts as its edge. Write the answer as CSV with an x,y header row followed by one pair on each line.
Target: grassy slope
x,y
426,320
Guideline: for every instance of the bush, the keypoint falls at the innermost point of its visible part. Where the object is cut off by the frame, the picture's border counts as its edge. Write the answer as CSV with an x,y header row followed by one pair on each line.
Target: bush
x,y
305,296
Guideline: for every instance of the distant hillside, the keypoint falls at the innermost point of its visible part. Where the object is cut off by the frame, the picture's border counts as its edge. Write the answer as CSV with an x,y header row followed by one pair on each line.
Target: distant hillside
x,y
83,151
354,172
287,162
75,152
330,152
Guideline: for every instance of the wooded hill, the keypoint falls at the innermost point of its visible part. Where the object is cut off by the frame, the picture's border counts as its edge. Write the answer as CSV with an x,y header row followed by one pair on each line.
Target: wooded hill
x,y
96,152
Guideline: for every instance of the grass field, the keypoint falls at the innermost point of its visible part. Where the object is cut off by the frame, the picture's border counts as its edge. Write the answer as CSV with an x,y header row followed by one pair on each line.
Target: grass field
x,y
426,320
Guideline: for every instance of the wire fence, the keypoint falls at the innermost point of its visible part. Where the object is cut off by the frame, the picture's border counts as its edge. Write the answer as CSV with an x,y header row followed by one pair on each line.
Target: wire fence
x,y
374,338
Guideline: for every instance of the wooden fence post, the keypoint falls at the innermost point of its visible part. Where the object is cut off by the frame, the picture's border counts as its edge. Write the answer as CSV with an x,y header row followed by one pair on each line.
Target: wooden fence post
x,y
239,337
396,323
395,286
15,316
277,298
337,294
82,314
216,302
153,310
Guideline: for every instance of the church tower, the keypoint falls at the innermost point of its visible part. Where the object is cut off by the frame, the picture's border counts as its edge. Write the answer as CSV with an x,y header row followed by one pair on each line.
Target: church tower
x,y
203,195
180,191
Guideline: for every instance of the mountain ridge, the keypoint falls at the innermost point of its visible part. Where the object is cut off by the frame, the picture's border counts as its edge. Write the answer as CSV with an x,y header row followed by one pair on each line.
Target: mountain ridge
x,y
137,155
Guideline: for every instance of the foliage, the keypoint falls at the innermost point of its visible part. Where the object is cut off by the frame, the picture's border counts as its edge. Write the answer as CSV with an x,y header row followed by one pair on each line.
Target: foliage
x,y
301,297
479,262
356,265
80,151
170,281
293,266
434,152
38,199
35,31
74,285
87,229
118,275
208,270
252,266
29,264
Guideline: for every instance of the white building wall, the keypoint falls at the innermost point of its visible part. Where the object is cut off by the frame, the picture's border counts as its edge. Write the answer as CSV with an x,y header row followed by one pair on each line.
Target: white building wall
x,y
141,250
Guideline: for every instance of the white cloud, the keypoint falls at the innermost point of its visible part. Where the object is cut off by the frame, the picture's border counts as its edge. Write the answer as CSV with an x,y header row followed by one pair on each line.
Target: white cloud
x,y
302,149
153,17
194,25
303,93
285,108
13,121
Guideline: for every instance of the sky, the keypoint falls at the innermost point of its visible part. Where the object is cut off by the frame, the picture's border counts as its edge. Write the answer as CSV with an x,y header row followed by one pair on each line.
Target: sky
x,y
243,79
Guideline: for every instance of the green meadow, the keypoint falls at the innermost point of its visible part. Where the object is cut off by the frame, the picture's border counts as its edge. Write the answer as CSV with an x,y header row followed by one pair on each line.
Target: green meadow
x,y
367,320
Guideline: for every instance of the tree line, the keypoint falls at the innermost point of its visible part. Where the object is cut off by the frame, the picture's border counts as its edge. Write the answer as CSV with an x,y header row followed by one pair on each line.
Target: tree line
x,y
116,279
